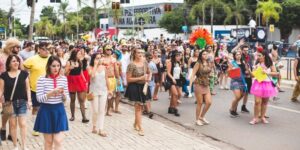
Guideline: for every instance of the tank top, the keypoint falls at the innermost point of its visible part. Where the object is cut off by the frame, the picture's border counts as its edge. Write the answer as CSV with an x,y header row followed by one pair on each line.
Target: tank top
x,y
75,70
203,74
98,83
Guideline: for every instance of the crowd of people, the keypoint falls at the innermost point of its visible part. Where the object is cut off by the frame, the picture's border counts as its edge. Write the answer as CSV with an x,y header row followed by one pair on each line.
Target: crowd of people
x,y
50,76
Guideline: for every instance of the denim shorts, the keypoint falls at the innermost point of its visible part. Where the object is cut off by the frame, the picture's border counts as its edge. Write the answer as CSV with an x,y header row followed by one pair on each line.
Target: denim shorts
x,y
20,107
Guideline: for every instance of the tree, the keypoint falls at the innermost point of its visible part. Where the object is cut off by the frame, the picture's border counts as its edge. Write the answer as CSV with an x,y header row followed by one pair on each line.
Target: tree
x,y
48,11
235,11
44,27
212,5
116,15
269,9
198,9
289,18
31,24
62,10
172,21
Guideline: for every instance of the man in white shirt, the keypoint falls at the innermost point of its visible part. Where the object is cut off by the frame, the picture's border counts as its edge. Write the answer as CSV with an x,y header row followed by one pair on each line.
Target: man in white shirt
x,y
125,60
28,51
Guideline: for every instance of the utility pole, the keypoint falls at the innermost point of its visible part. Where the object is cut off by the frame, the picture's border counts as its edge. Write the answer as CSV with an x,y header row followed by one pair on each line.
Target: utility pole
x,y
77,25
31,20
10,14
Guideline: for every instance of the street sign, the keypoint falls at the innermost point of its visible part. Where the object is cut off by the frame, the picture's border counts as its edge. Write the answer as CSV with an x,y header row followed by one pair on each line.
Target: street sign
x,y
184,28
240,33
2,30
272,28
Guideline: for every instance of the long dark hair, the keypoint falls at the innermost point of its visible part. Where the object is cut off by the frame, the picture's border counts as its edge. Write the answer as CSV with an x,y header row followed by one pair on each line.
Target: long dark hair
x,y
73,56
200,56
9,59
234,56
268,60
93,59
173,56
49,63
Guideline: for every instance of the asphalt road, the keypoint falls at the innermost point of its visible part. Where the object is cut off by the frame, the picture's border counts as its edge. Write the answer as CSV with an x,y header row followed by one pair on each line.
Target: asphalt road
x,y
282,133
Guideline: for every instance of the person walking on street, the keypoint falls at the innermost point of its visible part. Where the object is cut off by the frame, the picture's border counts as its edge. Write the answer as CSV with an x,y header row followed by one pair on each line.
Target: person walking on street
x,y
36,67
175,79
14,85
263,90
137,76
52,91
238,85
12,47
98,87
77,84
296,70
202,71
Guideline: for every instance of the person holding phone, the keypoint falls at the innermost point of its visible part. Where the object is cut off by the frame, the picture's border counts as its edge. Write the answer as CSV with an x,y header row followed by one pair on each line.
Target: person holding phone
x,y
52,91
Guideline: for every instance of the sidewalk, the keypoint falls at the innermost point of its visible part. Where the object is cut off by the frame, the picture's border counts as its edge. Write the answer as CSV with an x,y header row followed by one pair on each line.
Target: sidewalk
x,y
121,135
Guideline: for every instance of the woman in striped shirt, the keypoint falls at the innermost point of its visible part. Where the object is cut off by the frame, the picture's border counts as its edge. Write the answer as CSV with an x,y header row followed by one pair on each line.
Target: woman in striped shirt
x,y
52,91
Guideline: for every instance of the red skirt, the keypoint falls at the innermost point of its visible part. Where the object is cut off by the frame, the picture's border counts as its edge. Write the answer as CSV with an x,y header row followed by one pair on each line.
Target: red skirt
x,y
76,83
87,76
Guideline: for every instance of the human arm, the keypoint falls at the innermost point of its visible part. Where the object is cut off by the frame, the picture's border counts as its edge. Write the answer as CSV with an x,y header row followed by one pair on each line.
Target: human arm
x,y
295,69
1,88
67,68
129,77
29,102
192,76
169,69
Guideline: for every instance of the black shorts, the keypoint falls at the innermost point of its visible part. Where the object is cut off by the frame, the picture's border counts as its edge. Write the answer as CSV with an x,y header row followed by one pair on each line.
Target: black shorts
x,y
35,103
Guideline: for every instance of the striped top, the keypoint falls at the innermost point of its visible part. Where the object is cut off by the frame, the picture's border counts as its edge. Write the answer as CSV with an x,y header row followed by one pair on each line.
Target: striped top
x,y
45,85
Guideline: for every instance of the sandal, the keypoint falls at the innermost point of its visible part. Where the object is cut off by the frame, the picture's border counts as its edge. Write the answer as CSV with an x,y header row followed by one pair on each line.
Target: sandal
x,y
253,121
141,132
102,133
264,120
117,112
136,127
72,119
94,131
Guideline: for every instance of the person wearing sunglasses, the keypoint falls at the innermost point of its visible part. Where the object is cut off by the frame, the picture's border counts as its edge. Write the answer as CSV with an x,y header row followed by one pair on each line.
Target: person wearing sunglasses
x,y
36,66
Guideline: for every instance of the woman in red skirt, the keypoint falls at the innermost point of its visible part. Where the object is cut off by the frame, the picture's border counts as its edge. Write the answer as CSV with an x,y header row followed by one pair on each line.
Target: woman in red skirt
x,y
77,84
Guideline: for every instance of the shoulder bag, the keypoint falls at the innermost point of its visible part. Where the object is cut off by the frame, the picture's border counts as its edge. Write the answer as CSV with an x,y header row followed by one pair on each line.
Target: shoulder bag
x,y
7,106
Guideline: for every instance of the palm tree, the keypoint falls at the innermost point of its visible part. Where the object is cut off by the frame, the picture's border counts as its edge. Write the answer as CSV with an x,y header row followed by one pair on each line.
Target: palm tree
x,y
62,10
116,14
235,11
197,9
211,4
269,9
44,27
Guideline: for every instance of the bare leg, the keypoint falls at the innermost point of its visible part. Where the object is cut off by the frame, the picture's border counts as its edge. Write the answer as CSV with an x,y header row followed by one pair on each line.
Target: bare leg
x,y
72,105
257,107
237,97
81,97
13,129
57,140
207,98
117,102
22,124
48,141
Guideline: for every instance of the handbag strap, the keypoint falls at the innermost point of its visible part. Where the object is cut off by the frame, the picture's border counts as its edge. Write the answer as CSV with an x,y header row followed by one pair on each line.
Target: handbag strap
x,y
14,88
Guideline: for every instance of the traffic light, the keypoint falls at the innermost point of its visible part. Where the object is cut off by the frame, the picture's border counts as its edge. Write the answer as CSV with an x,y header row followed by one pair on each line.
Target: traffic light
x,y
167,7
115,5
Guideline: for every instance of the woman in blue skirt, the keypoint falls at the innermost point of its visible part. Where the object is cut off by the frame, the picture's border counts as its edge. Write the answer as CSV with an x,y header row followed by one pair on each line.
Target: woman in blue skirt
x,y
52,91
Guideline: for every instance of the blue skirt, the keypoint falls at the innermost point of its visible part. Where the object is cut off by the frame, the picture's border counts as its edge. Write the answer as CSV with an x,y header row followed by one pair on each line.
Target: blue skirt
x,y
51,118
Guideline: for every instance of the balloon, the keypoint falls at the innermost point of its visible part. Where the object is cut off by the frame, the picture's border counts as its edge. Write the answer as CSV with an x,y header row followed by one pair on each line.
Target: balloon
x,y
201,42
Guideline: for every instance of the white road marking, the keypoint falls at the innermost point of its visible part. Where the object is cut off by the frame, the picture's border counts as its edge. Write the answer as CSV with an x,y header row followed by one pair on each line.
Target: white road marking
x,y
281,108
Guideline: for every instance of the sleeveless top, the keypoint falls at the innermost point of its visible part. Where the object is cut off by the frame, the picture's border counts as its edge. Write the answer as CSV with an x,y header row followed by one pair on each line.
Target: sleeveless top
x,y
203,75
75,70
98,83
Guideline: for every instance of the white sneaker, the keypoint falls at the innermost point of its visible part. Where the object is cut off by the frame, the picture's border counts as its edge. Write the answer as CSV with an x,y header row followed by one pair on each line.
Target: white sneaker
x,y
179,101
205,121
190,95
221,87
199,123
